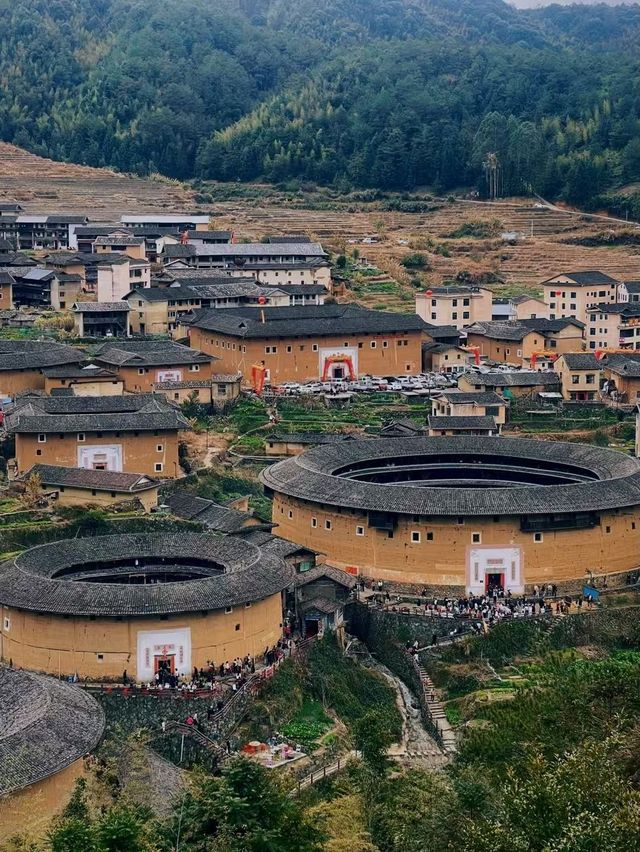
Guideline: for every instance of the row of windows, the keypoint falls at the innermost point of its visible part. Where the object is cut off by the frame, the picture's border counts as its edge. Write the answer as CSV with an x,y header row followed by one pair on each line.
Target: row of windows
x,y
193,368
416,535
81,438
273,350
454,315
454,302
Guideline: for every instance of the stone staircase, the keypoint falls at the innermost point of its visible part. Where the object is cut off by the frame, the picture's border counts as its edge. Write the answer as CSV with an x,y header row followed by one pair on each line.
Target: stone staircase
x,y
435,709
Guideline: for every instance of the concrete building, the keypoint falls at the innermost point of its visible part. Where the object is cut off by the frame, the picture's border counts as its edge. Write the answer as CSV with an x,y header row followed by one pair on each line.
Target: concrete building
x,y
571,293
613,326
274,264
119,275
135,433
526,343
444,358
488,512
77,486
144,603
628,292
302,344
122,242
580,374
454,305
529,307
173,221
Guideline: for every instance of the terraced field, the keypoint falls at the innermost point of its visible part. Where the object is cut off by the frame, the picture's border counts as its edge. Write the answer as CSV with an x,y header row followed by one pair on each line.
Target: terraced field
x,y
42,185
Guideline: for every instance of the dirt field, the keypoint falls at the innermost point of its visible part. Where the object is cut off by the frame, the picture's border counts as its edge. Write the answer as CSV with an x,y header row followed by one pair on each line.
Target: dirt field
x,y
540,251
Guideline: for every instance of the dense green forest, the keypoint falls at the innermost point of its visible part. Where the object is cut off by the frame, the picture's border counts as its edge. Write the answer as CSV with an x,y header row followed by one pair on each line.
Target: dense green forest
x,y
389,94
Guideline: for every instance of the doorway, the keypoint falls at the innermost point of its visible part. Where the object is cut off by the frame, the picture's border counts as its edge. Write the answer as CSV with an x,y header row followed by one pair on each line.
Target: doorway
x,y
493,581
338,373
164,664
311,627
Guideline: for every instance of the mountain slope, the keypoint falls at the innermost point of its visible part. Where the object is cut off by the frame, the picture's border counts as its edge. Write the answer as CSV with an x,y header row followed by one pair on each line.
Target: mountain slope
x,y
381,93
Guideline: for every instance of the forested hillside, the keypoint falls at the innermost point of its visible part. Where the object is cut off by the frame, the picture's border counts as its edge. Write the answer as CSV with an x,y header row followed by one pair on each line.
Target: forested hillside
x,y
390,94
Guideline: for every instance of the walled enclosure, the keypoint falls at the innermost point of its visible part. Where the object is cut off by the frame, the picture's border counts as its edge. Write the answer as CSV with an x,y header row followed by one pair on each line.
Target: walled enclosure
x,y
444,531
98,606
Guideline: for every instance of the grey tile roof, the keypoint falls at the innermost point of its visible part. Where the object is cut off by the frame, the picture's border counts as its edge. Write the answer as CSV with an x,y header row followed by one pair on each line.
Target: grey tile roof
x,y
520,378
218,518
202,383
499,330
45,725
583,278
525,297
632,286
625,309
438,332
118,239
624,367
6,277
135,412
313,477
581,361
100,307
315,320
468,398
307,437
79,371
254,250
100,480
234,572
549,326
34,355
461,422
319,571
149,353
289,238
401,428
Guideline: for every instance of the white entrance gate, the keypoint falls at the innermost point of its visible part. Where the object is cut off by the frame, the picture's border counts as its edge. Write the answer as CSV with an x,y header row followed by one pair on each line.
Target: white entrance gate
x,y
489,565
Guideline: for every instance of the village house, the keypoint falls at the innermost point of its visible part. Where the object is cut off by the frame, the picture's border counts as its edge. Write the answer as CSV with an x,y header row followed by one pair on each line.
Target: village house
x,y
301,344
101,319
135,433
521,383
76,486
529,307
526,343
457,403
579,374
141,364
444,358
571,293
628,292
31,232
462,425
120,242
454,305
119,275
83,380
23,364
217,391
614,326
509,343
621,379
213,516
274,264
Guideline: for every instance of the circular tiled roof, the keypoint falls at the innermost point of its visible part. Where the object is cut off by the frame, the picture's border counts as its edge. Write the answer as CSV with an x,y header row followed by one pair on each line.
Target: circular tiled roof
x,y
228,572
45,725
457,476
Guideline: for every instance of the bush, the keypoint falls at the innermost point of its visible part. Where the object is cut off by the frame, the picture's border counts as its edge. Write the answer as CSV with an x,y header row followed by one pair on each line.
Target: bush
x,y
415,261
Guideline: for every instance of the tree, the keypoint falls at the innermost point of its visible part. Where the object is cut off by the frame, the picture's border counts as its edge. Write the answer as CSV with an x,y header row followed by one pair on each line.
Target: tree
x,y
372,736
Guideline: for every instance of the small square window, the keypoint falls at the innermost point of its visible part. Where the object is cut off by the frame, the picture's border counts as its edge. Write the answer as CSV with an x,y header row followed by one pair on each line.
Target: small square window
x,y
460,521
42,439
373,344
237,627
415,537
314,522
158,467
385,344
314,347
38,452
159,448
607,529
290,514
228,609
633,525
100,656
7,624
537,537
429,536
141,371
327,525
247,605
359,530
289,348
81,437
476,538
